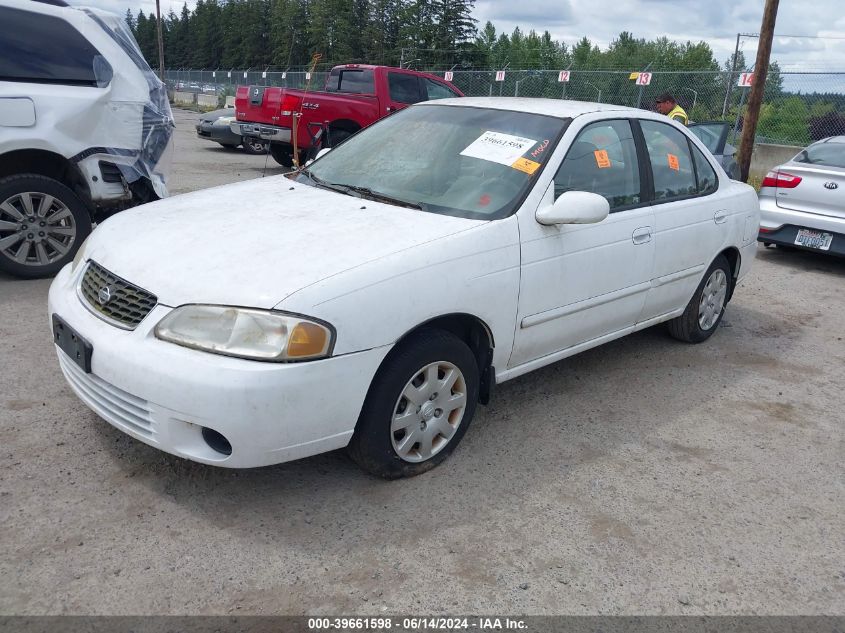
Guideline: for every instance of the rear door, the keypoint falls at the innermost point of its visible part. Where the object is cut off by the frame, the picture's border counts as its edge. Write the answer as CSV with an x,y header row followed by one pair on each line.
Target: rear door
x,y
821,190
691,218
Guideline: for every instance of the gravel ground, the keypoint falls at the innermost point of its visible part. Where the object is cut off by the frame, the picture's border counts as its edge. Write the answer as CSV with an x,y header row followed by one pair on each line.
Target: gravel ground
x,y
643,477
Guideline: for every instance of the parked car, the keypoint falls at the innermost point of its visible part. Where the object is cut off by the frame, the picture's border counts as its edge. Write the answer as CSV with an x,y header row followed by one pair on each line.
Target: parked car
x,y
354,96
375,297
214,126
85,130
714,135
802,202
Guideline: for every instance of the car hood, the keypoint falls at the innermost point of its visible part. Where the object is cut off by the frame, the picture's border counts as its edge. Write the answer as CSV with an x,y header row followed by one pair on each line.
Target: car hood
x,y
256,242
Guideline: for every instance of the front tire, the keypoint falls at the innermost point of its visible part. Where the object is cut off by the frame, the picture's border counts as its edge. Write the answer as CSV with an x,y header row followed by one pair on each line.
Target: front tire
x,y
419,406
42,225
705,310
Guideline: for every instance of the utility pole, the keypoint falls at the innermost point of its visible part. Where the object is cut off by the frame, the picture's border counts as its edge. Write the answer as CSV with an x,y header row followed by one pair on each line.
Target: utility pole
x,y
160,43
761,68
730,86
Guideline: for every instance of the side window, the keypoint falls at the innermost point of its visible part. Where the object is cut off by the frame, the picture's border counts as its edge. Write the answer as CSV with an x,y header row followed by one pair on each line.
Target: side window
x,y
671,163
355,81
435,90
39,48
404,88
602,160
707,180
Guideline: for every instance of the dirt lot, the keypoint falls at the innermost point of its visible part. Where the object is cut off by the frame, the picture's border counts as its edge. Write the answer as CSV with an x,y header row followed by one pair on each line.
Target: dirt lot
x,y
646,476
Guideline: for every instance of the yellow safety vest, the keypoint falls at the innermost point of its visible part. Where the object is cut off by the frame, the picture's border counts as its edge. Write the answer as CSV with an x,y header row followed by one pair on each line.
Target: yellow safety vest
x,y
679,114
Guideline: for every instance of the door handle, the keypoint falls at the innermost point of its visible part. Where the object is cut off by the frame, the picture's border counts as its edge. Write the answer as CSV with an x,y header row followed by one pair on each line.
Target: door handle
x,y
641,235
720,217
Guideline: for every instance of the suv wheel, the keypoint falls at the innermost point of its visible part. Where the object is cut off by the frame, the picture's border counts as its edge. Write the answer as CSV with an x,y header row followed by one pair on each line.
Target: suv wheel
x,y
42,225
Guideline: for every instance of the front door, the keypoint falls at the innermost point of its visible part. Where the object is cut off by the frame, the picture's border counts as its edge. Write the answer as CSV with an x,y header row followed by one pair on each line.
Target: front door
x,y
583,282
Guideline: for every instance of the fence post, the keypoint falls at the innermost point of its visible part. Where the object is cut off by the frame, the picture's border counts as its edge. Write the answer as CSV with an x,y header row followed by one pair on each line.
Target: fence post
x,y
640,94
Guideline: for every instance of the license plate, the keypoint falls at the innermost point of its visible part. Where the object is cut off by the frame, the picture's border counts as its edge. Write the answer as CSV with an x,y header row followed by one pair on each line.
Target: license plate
x,y
77,348
814,239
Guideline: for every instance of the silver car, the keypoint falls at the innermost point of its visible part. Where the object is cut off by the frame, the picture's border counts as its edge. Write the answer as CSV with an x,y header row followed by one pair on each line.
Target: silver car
x,y
802,202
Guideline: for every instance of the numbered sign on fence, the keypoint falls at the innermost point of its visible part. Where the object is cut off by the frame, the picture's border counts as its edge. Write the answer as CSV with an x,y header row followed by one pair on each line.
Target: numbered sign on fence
x,y
244,74
500,75
563,75
264,74
229,73
448,75
745,80
284,75
307,76
213,73
643,79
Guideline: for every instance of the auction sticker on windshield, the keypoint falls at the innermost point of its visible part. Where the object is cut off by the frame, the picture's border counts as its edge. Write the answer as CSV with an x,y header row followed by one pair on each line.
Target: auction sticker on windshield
x,y
498,147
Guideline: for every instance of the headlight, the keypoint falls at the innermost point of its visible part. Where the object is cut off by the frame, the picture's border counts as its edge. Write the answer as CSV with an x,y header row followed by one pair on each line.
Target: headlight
x,y
246,333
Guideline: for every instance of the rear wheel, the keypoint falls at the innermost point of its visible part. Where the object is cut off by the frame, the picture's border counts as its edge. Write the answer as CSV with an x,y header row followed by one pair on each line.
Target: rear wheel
x,y
283,154
419,406
705,310
42,225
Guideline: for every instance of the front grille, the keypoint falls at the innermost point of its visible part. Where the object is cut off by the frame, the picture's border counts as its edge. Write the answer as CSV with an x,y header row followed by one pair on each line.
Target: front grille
x,y
115,405
123,304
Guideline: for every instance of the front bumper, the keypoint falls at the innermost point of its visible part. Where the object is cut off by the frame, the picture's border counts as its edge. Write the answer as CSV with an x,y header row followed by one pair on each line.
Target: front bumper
x,y
781,226
265,132
164,394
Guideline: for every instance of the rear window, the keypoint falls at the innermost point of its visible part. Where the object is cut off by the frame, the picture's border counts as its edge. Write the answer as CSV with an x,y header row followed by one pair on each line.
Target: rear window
x,y
829,154
38,48
358,81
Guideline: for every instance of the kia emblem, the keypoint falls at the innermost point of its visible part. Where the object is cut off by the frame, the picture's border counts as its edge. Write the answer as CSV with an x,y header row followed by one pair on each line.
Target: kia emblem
x,y
104,296
830,185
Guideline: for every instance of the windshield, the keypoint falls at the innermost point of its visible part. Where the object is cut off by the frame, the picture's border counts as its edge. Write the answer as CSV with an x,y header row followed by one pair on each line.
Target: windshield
x,y
469,162
829,154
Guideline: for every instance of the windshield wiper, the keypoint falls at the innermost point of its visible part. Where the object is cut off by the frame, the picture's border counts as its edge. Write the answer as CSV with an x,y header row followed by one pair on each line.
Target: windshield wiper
x,y
366,192
360,192
325,185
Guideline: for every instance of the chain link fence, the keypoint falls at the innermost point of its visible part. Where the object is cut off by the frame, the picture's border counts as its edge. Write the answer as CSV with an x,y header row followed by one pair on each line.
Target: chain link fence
x,y
798,108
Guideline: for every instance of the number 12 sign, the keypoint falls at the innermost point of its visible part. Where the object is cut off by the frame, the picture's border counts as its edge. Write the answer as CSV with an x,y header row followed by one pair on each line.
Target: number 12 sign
x,y
563,76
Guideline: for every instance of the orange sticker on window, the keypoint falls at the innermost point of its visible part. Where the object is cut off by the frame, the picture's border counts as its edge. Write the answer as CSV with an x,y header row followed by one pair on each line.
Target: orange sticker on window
x,y
602,159
528,166
673,162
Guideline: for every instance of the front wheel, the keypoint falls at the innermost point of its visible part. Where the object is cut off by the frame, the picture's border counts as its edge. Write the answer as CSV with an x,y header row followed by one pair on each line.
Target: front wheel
x,y
419,406
705,310
42,225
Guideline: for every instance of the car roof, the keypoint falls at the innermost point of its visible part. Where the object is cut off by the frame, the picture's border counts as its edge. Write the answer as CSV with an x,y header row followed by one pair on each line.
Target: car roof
x,y
833,139
550,107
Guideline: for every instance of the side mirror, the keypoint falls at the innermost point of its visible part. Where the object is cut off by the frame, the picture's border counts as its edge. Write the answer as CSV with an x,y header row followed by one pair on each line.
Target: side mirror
x,y
575,207
323,152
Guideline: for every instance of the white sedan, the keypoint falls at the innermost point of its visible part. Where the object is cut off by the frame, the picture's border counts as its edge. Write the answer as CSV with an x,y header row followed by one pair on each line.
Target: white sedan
x,y
372,299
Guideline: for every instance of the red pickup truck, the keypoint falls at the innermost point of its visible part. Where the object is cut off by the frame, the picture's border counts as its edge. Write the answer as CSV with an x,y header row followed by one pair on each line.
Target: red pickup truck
x,y
355,96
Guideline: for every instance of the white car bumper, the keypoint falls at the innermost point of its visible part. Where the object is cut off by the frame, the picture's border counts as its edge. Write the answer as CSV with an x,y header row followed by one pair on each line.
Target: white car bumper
x,y
164,394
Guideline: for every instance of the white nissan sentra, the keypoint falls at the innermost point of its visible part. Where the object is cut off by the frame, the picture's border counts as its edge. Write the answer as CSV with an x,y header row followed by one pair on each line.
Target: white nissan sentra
x,y
374,298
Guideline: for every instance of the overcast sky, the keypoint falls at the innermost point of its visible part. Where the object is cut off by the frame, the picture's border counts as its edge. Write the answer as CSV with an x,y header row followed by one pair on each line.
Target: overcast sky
x,y
715,21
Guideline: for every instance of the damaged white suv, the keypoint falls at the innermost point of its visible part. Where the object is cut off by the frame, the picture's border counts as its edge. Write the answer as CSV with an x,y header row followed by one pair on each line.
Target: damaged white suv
x,y
85,130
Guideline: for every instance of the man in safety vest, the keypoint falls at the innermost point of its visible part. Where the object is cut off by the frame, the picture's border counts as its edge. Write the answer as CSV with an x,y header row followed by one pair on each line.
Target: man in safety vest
x,y
667,105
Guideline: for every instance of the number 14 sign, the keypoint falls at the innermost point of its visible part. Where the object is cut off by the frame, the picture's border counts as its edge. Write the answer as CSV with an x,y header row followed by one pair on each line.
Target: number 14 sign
x,y
745,80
